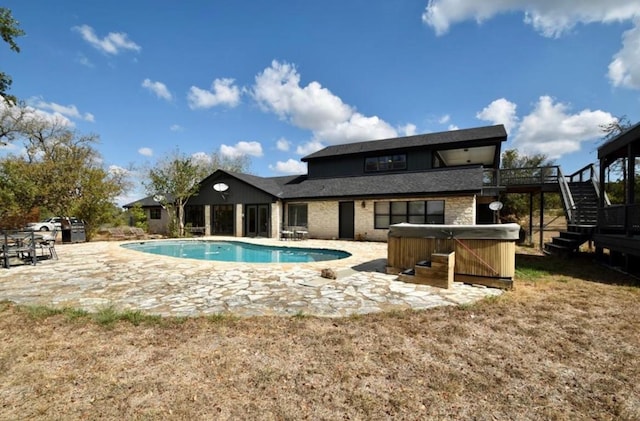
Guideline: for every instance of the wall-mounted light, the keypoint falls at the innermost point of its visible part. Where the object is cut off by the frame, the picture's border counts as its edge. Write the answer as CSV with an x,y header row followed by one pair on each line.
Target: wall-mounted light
x,y
363,204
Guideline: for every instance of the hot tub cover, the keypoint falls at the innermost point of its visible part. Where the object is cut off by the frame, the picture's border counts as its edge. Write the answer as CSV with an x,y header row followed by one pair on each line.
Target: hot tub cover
x,y
480,232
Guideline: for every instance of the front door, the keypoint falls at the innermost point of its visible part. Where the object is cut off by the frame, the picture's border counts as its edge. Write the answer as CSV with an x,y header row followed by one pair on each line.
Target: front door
x,y
257,220
346,220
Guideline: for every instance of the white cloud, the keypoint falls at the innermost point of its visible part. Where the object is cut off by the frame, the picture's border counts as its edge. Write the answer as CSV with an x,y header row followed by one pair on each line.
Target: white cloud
x,y
407,129
550,17
453,127
500,111
223,92
624,70
114,43
356,129
176,128
291,166
551,129
158,88
277,89
117,170
283,144
444,119
201,157
145,151
309,147
38,110
242,148
67,111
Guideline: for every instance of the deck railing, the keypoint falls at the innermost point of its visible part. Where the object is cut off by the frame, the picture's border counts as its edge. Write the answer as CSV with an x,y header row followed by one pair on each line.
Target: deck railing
x,y
620,219
522,176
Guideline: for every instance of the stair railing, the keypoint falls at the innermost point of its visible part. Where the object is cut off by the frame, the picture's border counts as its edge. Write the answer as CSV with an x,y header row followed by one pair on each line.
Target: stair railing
x,y
567,198
581,175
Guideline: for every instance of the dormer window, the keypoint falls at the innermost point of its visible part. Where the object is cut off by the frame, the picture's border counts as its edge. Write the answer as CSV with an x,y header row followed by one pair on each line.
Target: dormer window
x,y
385,163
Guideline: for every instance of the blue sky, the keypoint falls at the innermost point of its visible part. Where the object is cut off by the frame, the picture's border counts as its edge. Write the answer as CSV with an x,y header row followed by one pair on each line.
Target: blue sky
x,y
279,80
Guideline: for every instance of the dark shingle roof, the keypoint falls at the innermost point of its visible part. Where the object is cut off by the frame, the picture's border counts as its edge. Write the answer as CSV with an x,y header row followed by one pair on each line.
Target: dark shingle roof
x,y
439,181
271,185
475,135
146,202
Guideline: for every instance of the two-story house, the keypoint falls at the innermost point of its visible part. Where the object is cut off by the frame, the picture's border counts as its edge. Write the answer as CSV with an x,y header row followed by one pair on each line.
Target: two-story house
x,y
356,190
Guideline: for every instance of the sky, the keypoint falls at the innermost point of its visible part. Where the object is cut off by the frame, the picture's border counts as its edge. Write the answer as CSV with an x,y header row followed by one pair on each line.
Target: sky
x,y
279,80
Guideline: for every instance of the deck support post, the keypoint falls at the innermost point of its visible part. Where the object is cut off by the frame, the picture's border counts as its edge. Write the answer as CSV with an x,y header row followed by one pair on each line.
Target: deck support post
x,y
541,220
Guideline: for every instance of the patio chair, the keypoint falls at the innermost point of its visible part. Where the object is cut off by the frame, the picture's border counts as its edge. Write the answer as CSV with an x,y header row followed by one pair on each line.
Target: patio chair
x,y
286,234
301,233
48,243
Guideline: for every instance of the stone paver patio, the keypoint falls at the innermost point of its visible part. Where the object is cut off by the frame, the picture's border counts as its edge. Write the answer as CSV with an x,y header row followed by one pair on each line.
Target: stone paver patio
x,y
100,274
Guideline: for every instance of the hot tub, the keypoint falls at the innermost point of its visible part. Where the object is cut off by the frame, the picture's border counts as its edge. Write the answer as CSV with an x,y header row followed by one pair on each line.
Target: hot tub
x,y
484,254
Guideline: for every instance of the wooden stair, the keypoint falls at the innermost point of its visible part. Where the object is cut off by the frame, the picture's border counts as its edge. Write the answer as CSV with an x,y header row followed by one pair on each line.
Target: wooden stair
x,y
584,218
437,273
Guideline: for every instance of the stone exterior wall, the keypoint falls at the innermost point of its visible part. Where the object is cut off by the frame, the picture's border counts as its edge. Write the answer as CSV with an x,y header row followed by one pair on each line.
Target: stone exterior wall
x,y
207,219
239,224
276,219
460,210
323,216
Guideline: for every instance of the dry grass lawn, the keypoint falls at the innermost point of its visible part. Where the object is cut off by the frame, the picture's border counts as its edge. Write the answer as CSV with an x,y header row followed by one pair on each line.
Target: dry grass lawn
x,y
564,345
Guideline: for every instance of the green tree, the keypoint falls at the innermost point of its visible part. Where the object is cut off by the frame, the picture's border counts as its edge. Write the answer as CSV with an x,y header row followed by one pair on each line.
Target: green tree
x,y
9,29
176,178
138,217
60,173
173,181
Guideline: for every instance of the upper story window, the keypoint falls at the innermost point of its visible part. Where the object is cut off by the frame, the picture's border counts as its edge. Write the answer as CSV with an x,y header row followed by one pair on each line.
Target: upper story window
x,y
385,163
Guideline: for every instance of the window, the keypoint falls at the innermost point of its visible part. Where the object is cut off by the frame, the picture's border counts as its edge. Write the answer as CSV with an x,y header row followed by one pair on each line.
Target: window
x,y
385,163
415,212
155,213
297,216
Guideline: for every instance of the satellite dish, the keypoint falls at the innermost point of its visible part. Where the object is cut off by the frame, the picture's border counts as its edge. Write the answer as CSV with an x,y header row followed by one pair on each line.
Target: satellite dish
x,y
158,198
495,206
220,187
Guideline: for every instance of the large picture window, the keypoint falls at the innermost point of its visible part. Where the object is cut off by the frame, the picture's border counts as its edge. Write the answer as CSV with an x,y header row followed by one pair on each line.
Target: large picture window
x,y
414,212
297,215
385,163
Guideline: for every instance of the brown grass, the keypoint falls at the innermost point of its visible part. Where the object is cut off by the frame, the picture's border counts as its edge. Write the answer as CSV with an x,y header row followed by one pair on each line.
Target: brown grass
x,y
563,345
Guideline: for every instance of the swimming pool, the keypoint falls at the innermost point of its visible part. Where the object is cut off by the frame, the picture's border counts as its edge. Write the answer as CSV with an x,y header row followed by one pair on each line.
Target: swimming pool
x,y
235,251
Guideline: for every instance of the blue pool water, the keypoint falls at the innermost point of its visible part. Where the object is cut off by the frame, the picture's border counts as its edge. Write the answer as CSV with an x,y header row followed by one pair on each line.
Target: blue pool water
x,y
235,251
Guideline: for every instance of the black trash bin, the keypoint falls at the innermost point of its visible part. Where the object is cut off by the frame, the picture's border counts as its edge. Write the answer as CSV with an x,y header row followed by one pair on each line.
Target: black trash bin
x,y
73,231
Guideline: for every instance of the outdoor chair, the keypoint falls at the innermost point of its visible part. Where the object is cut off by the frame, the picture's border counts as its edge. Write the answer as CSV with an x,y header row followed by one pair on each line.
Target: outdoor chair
x,y
301,233
48,244
287,234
